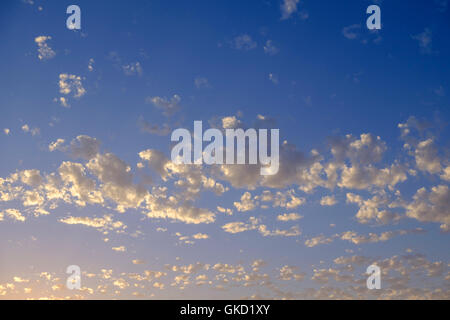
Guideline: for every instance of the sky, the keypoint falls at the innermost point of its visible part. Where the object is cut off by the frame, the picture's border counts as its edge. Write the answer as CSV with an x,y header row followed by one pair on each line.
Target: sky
x,y
86,177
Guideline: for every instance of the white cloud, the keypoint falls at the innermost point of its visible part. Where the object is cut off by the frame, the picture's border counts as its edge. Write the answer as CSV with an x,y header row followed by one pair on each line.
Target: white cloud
x,y
45,52
169,107
289,217
288,7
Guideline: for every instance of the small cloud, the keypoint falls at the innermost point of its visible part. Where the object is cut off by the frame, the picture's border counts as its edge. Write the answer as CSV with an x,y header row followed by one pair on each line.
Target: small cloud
x,y
244,42
160,130
44,50
91,64
351,32
201,82
270,49
138,261
273,78
132,69
288,7
424,40
6,131
169,107
34,131
119,249
289,217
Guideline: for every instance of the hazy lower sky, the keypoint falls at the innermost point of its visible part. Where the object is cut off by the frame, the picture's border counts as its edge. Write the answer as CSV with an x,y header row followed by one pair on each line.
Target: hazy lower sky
x,y
86,176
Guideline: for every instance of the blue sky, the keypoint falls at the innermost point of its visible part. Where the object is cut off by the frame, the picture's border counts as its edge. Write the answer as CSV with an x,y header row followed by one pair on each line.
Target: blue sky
x,y
364,175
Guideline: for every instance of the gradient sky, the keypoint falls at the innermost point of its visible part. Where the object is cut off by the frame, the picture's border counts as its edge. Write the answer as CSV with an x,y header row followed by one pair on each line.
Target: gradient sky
x,y
86,177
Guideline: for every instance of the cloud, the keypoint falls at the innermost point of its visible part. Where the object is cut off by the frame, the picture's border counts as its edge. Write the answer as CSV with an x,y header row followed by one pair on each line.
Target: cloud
x,y
288,273
328,201
270,49
430,206
426,157
246,204
370,209
351,32
358,239
133,68
70,84
288,7
119,249
289,217
244,42
104,224
44,51
424,39
56,145
160,130
273,78
168,107
34,131
201,82
13,214
84,147
254,224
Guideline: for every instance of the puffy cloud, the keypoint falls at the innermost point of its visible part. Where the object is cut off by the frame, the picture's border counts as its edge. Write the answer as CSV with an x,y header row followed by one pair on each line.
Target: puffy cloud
x,y
44,50
190,177
231,122
426,157
13,214
34,131
117,181
168,107
369,209
446,174
56,145
289,217
432,206
69,84
328,201
31,177
246,204
172,208
84,147
358,177
288,273
73,175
